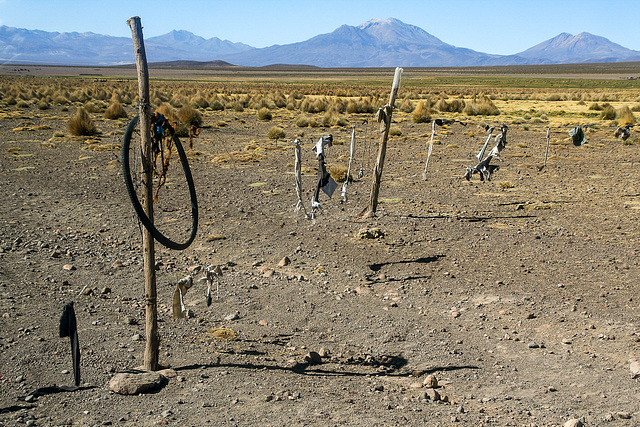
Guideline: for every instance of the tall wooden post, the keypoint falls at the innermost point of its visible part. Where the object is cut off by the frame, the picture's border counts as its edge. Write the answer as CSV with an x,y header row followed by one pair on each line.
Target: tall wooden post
x,y
153,340
384,118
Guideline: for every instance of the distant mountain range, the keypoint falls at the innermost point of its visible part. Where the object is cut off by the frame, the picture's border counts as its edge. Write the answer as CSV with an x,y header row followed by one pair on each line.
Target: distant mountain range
x,y
376,43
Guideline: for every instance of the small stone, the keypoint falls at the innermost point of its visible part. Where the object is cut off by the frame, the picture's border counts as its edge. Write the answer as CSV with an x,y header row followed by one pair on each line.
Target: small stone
x,y
284,262
313,358
68,267
105,291
455,314
324,352
531,316
168,373
194,268
433,394
131,321
87,291
166,414
533,344
431,381
574,422
634,366
566,341
232,316
118,264
19,378
624,415
130,383
263,322
363,290
268,272
64,371
415,385
136,337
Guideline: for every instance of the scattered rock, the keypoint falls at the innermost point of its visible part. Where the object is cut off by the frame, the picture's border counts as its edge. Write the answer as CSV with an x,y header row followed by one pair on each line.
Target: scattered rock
x,y
284,262
232,316
624,415
634,366
136,382
431,381
106,290
574,422
68,267
533,344
168,373
324,352
433,394
313,358
268,272
131,321
363,290
136,337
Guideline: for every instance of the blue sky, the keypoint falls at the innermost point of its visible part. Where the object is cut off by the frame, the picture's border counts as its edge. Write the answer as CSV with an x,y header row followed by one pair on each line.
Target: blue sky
x,y
491,26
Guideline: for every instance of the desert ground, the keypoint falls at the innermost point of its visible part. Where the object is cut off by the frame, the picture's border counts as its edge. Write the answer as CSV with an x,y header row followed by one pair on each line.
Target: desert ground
x,y
518,295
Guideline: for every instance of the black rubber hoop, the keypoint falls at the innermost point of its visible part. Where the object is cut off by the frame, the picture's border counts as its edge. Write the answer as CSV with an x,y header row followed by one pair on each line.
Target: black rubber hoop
x,y
142,216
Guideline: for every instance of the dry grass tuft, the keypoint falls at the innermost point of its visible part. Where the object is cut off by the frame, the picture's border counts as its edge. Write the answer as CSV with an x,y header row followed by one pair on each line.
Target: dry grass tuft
x,y
238,157
422,113
625,116
339,173
81,124
115,111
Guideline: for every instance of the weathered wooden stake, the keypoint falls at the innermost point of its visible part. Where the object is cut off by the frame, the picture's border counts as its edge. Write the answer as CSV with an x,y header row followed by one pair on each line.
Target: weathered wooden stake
x,y
426,165
148,244
384,118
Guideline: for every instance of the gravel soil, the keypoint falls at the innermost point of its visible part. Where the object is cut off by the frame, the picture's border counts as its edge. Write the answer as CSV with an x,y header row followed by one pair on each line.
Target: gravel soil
x,y
518,295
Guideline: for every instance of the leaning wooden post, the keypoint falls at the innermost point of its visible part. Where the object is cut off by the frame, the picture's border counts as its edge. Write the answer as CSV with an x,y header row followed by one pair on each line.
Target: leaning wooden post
x,y
383,116
153,340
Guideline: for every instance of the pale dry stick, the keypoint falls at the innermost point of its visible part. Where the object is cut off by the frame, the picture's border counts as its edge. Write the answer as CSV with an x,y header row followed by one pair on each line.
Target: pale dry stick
x,y
298,176
546,151
480,155
433,132
352,154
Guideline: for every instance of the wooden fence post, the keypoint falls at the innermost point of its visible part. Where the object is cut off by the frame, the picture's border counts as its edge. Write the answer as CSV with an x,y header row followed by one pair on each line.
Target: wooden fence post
x,y
384,118
148,243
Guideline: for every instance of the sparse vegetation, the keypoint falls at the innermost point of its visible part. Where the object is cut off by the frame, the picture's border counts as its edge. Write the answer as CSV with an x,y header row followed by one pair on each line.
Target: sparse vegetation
x,y
81,124
276,133
625,116
115,111
264,114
